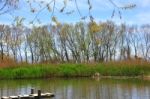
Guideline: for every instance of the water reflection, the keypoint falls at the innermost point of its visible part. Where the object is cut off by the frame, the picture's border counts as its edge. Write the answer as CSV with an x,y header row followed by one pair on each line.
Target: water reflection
x,y
80,88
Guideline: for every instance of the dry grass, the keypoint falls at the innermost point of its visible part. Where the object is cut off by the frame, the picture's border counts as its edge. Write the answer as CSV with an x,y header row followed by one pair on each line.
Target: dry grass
x,y
128,63
7,62
119,68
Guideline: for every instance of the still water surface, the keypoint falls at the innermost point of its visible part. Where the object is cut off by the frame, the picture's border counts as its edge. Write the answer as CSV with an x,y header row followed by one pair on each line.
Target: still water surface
x,y
80,88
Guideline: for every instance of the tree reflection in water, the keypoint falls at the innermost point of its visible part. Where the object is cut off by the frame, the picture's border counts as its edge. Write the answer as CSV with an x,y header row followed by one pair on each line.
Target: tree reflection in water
x,y
80,88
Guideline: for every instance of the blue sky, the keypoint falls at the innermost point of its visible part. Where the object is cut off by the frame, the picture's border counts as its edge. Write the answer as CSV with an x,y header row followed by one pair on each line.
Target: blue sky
x,y
101,10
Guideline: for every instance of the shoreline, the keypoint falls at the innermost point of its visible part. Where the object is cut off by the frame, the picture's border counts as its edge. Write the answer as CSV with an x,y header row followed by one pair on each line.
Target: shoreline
x,y
147,77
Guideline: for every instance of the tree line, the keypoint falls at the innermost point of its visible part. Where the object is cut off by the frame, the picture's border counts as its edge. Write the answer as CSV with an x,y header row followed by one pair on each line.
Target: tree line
x,y
77,43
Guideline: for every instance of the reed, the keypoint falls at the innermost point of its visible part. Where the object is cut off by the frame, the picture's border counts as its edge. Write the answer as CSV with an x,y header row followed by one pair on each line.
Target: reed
x,y
74,70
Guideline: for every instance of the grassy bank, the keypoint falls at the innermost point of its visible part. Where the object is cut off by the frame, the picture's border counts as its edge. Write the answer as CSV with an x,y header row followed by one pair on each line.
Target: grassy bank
x,y
74,70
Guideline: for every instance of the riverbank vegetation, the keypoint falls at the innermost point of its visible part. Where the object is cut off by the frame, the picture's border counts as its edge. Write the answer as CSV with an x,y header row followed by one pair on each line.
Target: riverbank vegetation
x,y
124,68
74,50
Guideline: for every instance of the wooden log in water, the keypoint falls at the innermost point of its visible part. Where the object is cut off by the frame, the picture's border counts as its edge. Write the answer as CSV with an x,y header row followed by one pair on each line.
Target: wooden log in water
x,y
5,97
31,96
43,95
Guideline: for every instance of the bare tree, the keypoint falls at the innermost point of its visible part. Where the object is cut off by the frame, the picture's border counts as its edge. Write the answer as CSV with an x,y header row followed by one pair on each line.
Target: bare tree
x,y
146,35
2,41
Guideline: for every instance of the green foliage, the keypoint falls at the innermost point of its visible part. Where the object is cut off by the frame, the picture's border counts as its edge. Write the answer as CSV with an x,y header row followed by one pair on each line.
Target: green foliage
x,y
119,71
71,70
94,27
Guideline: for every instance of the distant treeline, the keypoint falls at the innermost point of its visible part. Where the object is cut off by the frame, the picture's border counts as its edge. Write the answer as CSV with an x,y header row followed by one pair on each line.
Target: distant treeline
x,y
75,43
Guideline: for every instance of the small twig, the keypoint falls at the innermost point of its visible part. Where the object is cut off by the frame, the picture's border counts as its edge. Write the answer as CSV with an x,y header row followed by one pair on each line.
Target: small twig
x,y
122,7
114,4
41,10
53,9
78,8
5,12
4,5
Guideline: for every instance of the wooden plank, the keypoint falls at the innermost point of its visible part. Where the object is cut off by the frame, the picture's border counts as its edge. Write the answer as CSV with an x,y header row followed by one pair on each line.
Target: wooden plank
x,y
32,91
39,94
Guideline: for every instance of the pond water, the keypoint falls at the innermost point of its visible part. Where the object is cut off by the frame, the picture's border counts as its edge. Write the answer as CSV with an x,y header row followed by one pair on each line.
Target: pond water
x,y
80,88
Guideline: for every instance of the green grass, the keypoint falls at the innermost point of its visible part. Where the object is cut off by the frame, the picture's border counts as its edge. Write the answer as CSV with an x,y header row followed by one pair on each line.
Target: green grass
x,y
72,70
